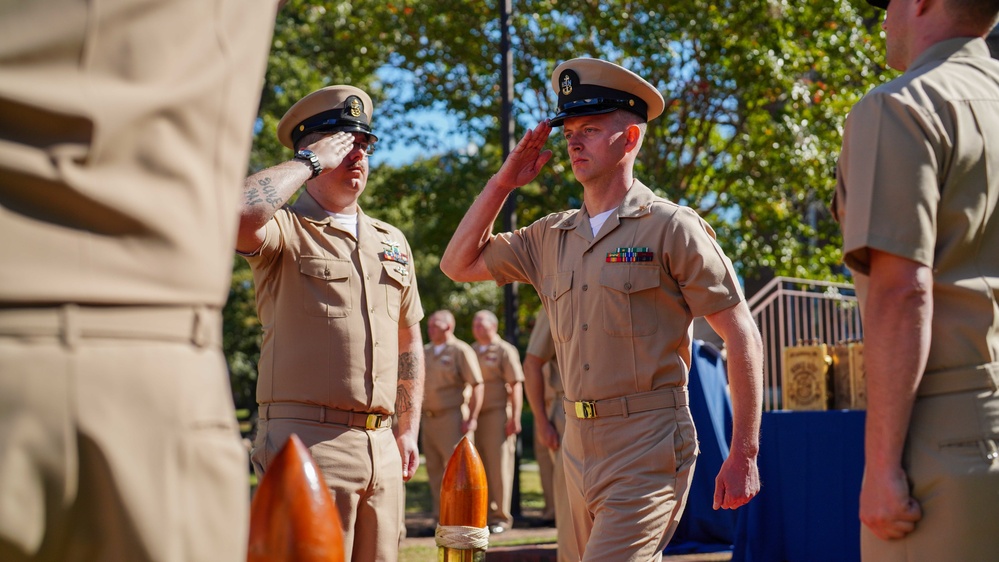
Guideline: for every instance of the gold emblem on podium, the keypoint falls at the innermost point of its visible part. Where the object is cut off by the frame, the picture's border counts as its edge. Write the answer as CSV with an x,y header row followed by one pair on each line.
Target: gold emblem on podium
x,y
848,376
806,383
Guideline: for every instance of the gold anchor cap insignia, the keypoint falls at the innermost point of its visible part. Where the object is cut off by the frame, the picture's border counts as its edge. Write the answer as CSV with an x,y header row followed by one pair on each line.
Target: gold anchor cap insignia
x,y
566,84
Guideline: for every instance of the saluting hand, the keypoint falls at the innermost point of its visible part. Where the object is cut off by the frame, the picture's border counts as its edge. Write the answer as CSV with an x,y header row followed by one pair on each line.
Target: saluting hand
x,y
331,150
527,158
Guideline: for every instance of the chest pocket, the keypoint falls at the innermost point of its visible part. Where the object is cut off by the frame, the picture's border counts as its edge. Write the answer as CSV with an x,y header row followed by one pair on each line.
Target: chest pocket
x,y
396,278
556,288
629,299
326,286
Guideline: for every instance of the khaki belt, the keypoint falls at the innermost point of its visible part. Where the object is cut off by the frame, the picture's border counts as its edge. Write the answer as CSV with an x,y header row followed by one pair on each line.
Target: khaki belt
x,y
200,325
962,379
673,397
323,414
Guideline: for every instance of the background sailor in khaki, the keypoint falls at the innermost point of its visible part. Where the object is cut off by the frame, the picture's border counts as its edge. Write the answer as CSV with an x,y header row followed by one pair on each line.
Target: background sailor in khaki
x,y
543,387
916,196
120,162
542,452
336,294
621,280
499,422
453,397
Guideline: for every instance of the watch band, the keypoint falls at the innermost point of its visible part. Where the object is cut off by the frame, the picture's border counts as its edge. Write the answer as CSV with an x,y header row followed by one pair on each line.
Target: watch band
x,y
312,159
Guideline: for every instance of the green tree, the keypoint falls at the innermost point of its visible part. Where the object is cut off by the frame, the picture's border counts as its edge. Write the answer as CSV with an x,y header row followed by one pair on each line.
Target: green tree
x,y
756,96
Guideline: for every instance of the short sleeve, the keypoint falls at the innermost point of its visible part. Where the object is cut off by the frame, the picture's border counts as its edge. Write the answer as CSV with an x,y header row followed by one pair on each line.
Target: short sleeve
x,y
703,272
887,182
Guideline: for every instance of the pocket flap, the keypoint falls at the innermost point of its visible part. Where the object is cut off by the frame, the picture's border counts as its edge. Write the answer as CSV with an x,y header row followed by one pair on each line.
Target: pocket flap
x,y
325,268
629,278
554,286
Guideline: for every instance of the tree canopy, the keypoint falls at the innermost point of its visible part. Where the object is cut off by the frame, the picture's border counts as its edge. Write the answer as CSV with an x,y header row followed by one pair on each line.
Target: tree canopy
x,y
756,98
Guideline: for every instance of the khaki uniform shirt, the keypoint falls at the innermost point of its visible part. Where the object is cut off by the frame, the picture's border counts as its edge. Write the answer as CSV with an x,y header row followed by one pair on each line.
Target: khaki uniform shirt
x,y
500,365
620,327
913,182
123,147
332,306
449,373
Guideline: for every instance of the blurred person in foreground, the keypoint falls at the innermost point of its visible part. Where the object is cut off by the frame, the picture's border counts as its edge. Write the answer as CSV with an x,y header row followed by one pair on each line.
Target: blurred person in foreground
x,y
121,154
621,279
916,195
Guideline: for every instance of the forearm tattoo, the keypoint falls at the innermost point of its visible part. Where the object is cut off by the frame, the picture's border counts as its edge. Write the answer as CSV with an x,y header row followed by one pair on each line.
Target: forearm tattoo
x,y
408,366
403,400
266,193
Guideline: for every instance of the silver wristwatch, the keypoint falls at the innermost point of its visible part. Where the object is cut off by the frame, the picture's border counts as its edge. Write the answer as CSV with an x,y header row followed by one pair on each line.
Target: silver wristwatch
x,y
312,159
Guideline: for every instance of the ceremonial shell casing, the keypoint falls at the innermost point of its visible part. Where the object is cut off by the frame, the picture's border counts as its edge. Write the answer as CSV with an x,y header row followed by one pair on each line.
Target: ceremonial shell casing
x,y
848,376
807,380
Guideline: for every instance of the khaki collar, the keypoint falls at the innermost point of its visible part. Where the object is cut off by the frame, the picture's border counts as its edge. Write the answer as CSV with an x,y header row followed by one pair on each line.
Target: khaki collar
x,y
943,50
307,207
637,202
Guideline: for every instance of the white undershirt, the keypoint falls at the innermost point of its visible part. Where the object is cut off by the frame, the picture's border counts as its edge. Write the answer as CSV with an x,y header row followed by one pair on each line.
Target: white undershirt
x,y
598,221
348,221
439,348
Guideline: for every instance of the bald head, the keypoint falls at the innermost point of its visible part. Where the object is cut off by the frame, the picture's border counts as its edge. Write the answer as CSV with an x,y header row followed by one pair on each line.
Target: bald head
x,y
440,325
484,326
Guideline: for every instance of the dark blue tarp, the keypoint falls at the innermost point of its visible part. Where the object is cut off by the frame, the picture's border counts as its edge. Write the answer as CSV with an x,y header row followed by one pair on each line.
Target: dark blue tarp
x,y
701,528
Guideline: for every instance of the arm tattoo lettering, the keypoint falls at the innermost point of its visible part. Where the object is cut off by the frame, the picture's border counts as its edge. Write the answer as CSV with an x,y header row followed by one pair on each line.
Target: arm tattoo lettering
x,y
267,193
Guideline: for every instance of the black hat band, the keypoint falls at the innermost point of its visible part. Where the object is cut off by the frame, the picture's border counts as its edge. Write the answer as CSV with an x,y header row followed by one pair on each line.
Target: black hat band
x,y
331,121
589,99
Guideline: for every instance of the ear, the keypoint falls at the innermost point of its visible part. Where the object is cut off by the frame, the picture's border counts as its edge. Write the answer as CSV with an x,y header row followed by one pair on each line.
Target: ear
x,y
632,136
922,6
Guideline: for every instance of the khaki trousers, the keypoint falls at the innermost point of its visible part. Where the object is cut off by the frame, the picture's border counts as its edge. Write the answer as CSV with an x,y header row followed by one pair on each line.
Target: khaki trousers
x,y
363,471
947,458
118,440
627,480
497,451
441,434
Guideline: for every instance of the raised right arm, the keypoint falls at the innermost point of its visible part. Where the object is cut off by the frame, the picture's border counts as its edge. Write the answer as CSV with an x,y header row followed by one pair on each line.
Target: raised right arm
x,y
462,260
268,190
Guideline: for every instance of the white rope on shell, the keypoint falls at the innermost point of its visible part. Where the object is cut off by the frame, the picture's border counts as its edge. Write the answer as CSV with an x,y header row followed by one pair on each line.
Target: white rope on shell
x,y
461,537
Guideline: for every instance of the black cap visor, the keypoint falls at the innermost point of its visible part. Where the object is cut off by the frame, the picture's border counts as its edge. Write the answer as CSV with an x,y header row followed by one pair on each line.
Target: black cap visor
x,y
324,123
883,4
594,106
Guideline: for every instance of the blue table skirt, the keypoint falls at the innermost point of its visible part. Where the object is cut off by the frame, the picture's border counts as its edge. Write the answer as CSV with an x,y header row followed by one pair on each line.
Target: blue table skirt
x,y
811,464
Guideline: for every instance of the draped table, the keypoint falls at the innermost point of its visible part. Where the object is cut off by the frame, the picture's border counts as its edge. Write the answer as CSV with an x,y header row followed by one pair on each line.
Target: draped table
x,y
811,464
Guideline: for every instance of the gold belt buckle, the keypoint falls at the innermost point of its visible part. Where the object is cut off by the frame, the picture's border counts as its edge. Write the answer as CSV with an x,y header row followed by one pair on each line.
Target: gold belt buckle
x,y
586,409
372,422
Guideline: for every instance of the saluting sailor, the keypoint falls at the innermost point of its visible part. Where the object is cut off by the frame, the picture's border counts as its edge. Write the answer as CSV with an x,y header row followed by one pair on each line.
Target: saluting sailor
x,y
336,293
621,280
